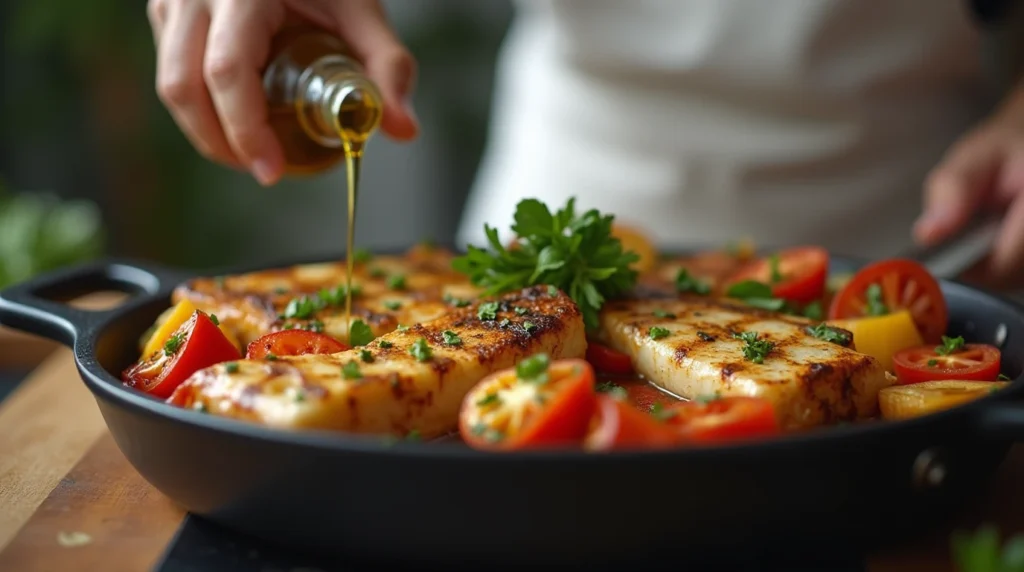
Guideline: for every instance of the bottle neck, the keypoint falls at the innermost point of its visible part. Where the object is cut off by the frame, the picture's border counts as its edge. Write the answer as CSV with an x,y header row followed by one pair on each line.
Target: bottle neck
x,y
336,103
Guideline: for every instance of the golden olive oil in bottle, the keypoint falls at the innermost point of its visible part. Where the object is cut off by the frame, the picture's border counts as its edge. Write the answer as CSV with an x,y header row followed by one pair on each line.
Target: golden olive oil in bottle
x,y
323,109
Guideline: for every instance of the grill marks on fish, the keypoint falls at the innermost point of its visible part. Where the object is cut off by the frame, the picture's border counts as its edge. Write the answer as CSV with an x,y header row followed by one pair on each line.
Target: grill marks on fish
x,y
397,392
252,304
809,381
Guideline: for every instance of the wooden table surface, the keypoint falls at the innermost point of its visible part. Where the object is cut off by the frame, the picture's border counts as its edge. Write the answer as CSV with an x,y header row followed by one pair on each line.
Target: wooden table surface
x,y
70,501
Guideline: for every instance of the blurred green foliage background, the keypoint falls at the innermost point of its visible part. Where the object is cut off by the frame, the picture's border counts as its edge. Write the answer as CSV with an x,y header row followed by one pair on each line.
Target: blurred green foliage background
x,y
81,120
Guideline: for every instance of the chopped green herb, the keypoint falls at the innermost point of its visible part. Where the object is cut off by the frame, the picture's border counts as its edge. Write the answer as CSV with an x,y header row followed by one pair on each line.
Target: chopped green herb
x,y
359,334
664,314
396,282
552,291
384,344
577,254
173,343
451,338
488,311
270,357
657,333
491,399
754,349
612,389
393,305
315,326
280,290
377,273
231,367
214,319
687,283
933,363
705,336
770,304
1003,377
704,399
337,296
950,345
529,327
413,435
659,412
420,350
402,328
775,276
814,311
351,371
361,256
875,305
366,355
303,307
520,311
828,333
299,396
457,302
534,368
505,323
749,289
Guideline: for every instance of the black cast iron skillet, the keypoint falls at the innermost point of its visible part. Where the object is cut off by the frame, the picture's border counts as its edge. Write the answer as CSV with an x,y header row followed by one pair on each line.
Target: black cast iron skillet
x,y
444,505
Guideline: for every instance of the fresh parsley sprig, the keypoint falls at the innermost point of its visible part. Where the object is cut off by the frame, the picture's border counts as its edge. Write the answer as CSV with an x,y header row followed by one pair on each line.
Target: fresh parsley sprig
x,y
575,253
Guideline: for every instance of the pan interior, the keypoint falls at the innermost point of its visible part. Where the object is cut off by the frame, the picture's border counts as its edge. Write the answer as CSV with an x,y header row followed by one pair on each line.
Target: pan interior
x,y
974,314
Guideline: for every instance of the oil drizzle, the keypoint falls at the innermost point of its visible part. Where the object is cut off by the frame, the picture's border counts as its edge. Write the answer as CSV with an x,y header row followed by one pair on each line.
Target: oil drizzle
x,y
353,162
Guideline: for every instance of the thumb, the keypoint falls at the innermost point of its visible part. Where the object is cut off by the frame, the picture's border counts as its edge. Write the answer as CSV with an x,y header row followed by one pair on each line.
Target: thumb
x,y
363,24
956,188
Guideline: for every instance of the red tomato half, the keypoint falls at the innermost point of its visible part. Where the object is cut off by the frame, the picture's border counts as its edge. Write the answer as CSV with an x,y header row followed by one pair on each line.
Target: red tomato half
x,y
890,285
725,419
619,425
974,362
795,274
603,358
551,407
293,343
195,345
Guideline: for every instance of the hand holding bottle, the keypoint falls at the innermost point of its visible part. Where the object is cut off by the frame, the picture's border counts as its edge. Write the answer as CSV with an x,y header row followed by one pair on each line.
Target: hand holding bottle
x,y
210,55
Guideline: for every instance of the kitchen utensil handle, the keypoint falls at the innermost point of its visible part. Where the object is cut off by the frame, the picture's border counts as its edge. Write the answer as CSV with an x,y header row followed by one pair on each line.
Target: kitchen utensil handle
x,y
39,305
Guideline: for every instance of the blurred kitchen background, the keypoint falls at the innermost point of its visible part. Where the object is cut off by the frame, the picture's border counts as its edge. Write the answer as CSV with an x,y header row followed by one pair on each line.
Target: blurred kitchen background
x,y
80,119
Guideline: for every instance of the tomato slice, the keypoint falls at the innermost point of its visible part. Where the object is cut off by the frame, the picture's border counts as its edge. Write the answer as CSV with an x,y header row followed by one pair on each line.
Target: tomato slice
x,y
195,345
796,274
293,343
724,419
973,362
603,358
537,404
891,285
619,425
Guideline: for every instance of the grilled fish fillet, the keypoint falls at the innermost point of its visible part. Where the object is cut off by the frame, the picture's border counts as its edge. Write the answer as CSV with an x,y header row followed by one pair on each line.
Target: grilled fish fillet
x,y
392,290
396,393
809,381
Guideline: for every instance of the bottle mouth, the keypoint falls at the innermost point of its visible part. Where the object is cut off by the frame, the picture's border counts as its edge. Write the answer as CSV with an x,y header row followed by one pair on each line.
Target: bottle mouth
x,y
356,109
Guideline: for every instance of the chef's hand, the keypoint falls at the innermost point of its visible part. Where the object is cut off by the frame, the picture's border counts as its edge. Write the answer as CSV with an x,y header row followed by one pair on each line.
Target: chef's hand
x,y
210,54
985,169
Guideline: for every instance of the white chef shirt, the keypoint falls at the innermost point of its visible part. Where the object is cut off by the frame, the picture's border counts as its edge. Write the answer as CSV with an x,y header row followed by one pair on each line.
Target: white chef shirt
x,y
787,121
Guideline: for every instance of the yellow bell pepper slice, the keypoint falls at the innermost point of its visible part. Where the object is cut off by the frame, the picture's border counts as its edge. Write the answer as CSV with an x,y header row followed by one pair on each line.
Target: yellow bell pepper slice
x,y
882,336
171,320
915,400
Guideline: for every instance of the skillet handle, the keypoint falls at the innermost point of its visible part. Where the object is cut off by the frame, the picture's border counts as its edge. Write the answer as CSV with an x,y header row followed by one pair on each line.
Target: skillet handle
x,y
37,306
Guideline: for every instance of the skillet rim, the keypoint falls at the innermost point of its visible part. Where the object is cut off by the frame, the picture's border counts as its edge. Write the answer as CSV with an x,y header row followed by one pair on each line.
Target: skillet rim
x,y
106,386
